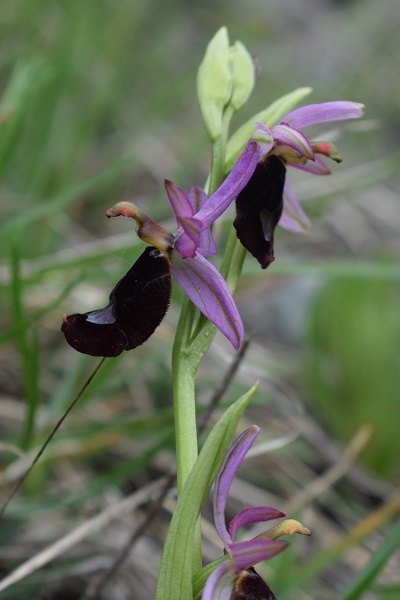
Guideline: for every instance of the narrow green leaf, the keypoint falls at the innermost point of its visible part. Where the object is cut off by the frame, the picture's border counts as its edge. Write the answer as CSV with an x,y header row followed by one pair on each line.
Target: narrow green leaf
x,y
377,562
175,576
28,347
200,578
15,103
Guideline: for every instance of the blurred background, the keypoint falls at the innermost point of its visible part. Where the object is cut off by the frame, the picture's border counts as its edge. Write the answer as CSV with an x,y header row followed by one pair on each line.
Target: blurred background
x,y
98,104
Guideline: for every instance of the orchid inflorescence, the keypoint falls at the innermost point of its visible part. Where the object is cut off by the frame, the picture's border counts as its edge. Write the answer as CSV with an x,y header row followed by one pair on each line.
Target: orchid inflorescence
x,y
248,168
263,200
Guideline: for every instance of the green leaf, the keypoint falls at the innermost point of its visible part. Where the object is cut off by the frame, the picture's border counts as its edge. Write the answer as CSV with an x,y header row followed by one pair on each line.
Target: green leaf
x,y
214,83
270,116
200,578
377,562
175,576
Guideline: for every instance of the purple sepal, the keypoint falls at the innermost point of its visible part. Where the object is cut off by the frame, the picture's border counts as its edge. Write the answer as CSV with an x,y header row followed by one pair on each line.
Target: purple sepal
x,y
233,184
208,290
224,479
323,113
189,227
198,198
293,216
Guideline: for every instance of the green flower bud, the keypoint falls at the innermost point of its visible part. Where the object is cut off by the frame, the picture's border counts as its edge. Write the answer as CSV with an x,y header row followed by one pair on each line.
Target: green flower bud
x,y
243,75
214,83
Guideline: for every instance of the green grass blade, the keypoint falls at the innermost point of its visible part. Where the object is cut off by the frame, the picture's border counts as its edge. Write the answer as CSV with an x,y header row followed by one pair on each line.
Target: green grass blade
x,y
374,566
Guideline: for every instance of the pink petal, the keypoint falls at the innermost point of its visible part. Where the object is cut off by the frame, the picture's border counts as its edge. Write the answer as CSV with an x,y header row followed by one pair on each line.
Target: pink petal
x,y
198,198
323,113
206,245
247,554
233,184
294,139
180,203
254,514
223,481
188,236
220,584
293,217
207,289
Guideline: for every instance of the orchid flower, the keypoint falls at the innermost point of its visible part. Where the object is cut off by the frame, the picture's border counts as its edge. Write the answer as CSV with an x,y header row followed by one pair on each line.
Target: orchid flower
x,y
268,199
141,298
235,577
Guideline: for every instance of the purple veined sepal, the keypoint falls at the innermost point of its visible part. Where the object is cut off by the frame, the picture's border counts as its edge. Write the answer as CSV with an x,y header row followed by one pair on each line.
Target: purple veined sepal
x,y
192,234
138,303
293,217
198,198
189,227
223,481
237,179
311,114
208,290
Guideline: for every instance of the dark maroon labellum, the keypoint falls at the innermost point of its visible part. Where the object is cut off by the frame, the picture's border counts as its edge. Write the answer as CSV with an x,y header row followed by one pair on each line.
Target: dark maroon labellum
x,y
138,304
250,586
259,207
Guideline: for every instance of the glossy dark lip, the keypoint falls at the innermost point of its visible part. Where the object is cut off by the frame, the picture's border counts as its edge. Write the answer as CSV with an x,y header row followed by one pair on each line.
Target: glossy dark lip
x,y
138,303
259,207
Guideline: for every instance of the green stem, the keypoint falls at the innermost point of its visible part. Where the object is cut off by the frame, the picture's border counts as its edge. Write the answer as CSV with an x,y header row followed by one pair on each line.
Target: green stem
x,y
185,364
218,154
184,397
183,385
28,351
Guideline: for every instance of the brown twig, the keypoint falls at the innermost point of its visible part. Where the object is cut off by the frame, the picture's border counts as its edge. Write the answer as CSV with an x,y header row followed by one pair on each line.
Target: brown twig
x,y
221,389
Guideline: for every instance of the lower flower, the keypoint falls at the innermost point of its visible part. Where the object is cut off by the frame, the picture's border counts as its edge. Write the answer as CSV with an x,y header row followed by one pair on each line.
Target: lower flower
x,y
235,578
137,306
